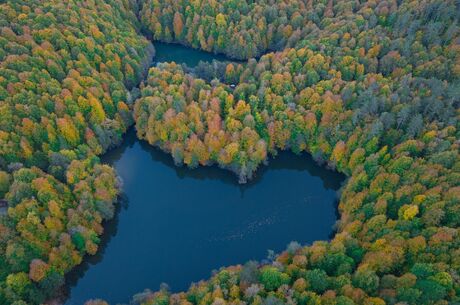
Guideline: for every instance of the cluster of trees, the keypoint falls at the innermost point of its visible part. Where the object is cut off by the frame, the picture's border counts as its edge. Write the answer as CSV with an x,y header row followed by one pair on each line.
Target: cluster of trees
x,y
51,225
372,90
65,71
246,29
199,124
370,87
239,29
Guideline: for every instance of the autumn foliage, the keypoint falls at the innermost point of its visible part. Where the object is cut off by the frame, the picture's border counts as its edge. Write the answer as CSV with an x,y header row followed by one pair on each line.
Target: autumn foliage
x,y
65,71
369,88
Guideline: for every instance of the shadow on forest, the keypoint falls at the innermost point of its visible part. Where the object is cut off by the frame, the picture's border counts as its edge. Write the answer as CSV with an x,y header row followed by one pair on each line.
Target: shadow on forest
x,y
332,180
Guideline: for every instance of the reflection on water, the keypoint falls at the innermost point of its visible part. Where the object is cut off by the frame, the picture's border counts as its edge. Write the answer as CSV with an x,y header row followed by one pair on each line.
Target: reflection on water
x,y
167,52
110,230
176,225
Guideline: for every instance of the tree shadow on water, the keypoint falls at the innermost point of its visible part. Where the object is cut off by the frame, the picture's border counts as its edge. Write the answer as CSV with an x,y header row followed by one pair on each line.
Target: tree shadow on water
x,y
285,160
110,230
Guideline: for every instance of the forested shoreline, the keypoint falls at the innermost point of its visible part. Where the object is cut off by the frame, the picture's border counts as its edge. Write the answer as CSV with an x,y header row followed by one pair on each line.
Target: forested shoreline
x,y
65,71
370,88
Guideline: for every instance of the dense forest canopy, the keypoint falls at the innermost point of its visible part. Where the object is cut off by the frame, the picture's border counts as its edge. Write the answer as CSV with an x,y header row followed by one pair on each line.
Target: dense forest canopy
x,y
372,88
65,71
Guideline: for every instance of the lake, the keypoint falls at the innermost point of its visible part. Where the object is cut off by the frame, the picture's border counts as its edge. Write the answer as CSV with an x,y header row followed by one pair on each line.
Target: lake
x,y
175,225
167,52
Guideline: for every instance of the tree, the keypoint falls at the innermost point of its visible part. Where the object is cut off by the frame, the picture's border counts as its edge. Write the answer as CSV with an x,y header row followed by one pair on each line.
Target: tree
x,y
38,269
272,278
178,25
5,181
366,280
220,20
249,273
317,280
18,282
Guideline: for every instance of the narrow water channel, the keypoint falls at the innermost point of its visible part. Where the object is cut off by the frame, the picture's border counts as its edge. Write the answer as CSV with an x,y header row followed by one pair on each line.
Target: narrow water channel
x,y
176,225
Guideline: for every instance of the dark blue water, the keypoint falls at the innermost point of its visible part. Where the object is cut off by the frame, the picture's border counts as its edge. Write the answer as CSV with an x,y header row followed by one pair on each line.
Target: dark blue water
x,y
176,225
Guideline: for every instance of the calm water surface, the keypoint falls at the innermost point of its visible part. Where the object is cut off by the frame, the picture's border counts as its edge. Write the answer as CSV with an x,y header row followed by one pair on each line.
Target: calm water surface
x,y
167,52
176,225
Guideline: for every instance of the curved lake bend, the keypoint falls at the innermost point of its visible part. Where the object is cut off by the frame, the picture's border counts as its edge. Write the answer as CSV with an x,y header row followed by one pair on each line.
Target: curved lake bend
x,y
175,225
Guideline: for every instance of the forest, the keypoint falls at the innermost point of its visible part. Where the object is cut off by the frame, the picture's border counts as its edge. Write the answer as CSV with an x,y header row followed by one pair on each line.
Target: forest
x,y
64,100
368,88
